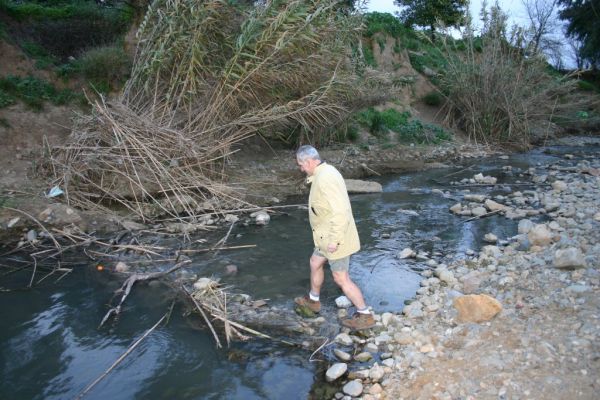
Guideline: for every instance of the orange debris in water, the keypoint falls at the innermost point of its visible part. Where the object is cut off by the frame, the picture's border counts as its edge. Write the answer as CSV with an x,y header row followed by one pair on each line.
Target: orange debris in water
x,y
100,267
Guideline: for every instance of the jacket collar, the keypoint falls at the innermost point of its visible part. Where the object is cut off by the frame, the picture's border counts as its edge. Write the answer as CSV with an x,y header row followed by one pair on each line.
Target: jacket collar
x,y
319,167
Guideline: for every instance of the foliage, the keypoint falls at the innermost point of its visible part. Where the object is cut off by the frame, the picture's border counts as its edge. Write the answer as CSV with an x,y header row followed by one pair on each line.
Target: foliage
x,y
105,67
64,28
376,22
582,23
32,91
499,95
42,58
417,132
428,13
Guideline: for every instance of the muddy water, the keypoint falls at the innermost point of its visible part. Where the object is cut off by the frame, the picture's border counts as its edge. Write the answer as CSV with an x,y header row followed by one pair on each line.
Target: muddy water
x,y
51,347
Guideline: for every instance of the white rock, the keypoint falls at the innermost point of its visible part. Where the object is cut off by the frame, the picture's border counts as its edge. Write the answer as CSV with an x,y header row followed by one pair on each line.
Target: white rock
x,y
262,218
478,211
343,302
413,310
493,206
204,283
559,186
335,371
525,226
342,355
376,373
456,208
122,267
407,252
386,318
231,218
539,235
13,222
343,339
490,238
570,257
353,388
360,186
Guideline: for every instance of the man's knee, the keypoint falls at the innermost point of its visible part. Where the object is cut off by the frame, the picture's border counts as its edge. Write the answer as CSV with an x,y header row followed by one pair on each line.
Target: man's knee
x,y
341,278
317,262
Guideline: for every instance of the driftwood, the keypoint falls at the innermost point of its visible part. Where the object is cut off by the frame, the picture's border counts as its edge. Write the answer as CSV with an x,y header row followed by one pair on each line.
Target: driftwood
x,y
129,282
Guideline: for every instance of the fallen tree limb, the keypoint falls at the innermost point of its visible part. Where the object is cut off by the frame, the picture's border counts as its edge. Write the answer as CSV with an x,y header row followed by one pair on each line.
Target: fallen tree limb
x,y
481,216
128,284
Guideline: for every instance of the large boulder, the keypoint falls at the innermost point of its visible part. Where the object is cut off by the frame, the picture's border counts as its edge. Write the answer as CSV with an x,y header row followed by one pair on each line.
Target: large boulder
x,y
358,186
476,307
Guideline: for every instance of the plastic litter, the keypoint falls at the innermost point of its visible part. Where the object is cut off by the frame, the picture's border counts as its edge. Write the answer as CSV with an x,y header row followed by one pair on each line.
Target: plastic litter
x,y
55,191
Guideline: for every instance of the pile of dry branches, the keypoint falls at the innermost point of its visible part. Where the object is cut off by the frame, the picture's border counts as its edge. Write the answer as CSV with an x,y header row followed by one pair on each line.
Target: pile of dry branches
x,y
207,75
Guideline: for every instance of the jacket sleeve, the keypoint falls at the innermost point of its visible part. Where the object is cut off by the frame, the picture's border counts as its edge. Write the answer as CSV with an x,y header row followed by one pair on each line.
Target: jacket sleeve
x,y
336,196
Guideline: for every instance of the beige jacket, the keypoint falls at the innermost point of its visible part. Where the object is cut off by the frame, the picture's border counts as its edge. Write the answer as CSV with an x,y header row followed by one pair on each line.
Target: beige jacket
x,y
330,213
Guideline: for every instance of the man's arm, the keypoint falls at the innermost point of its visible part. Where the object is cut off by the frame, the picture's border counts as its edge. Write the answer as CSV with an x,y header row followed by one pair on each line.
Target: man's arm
x,y
334,192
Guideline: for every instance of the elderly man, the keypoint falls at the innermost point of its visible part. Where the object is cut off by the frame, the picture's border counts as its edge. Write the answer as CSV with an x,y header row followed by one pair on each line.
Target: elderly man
x,y
334,234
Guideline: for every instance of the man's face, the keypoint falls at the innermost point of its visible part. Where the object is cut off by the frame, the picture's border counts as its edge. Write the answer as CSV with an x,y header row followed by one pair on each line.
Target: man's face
x,y
306,166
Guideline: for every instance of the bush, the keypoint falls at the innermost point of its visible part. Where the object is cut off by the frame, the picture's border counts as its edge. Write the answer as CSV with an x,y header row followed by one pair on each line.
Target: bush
x,y
106,67
417,132
383,23
434,98
32,91
379,123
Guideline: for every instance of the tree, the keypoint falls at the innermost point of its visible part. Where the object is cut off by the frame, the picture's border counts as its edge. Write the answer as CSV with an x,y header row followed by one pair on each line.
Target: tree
x,y
427,13
582,18
542,24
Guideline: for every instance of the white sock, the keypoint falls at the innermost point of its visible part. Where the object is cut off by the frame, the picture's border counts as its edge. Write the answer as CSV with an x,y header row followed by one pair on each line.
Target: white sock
x,y
313,297
363,311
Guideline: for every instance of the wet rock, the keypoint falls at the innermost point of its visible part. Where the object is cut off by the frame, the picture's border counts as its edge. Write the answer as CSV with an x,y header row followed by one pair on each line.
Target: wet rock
x,y
403,338
407,253
122,267
261,217
335,371
353,388
205,283
375,389
343,339
376,373
476,308
559,186
413,310
490,238
343,302
231,218
539,235
342,355
363,357
386,318
456,208
359,186
525,226
231,270
478,198
494,206
570,257
487,180
478,211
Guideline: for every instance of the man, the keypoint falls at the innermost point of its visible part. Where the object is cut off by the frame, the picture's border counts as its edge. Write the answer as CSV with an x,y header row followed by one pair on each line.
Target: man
x,y
334,234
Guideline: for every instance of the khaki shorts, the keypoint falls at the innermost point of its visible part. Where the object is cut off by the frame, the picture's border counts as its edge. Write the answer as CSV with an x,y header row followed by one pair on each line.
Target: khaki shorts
x,y
339,265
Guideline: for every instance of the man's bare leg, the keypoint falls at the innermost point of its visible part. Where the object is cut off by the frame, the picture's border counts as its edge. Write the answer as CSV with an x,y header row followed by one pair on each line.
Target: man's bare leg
x,y
317,275
352,292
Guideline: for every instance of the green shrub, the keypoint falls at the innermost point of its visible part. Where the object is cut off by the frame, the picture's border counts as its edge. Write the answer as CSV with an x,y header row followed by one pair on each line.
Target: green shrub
x,y
417,132
369,57
33,91
433,98
585,85
383,23
106,67
378,123
42,58
5,98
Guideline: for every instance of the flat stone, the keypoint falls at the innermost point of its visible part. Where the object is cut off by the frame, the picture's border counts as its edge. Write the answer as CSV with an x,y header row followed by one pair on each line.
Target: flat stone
x,y
570,257
476,308
360,186
353,388
335,371
363,357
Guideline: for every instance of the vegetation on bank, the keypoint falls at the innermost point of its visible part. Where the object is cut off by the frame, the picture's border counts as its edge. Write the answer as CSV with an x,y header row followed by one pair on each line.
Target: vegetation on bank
x,y
34,92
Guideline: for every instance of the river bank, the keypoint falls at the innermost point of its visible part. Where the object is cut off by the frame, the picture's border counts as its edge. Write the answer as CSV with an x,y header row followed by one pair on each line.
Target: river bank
x,y
538,335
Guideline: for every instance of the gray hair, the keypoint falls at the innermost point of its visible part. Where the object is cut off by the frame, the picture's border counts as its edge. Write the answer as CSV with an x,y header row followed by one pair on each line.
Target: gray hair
x,y
305,152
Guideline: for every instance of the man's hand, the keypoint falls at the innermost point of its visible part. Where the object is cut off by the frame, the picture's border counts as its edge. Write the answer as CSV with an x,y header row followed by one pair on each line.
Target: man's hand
x,y
332,247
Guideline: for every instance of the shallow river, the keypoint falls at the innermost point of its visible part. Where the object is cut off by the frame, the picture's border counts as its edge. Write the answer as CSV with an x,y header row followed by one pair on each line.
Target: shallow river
x,y
51,347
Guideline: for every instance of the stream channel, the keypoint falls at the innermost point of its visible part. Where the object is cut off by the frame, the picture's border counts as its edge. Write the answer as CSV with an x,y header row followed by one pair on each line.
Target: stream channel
x,y
51,347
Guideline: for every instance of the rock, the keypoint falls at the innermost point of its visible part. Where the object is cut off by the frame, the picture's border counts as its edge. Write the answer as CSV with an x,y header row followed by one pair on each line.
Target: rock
x,y
371,347
261,217
231,269
32,235
577,289
539,235
122,267
471,281
383,339
525,226
343,302
363,357
476,308
491,251
478,198
597,217
205,283
407,253
343,339
342,355
132,225
493,206
335,371
488,180
456,208
13,222
403,338
375,389
447,276
478,211
427,348
59,214
376,373
386,318
559,186
490,238
570,257
413,310
353,388
231,218
429,72
359,186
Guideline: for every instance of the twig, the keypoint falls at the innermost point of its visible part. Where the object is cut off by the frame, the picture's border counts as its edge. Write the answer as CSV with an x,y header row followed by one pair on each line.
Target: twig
x,y
122,357
34,270
317,350
37,222
128,284
482,216
204,316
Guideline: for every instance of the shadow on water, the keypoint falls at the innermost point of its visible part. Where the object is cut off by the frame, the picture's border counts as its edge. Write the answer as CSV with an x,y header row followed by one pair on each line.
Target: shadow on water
x,y
51,347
